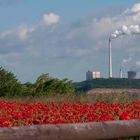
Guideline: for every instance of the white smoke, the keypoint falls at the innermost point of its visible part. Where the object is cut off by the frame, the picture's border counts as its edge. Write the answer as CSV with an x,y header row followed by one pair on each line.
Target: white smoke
x,y
126,30
123,64
136,67
125,61
138,63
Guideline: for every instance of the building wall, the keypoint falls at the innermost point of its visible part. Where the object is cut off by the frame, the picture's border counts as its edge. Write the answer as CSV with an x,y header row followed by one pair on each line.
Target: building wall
x,y
132,74
92,75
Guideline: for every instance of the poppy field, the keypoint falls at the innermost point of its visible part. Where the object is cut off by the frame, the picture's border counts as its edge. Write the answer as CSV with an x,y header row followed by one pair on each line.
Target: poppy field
x,y
21,114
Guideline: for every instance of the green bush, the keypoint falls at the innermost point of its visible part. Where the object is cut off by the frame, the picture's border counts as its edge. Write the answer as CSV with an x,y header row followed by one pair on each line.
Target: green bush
x,y
9,85
46,85
28,89
107,83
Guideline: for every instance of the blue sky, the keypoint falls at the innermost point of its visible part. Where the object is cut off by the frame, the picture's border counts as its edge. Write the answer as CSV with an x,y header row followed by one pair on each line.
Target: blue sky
x,y
66,38
29,11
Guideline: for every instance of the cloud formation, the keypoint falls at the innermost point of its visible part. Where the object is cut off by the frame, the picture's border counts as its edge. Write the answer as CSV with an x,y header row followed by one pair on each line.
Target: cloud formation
x,y
50,19
135,8
69,48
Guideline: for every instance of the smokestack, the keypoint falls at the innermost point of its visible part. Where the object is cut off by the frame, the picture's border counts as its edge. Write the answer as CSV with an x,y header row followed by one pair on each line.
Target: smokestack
x,y
121,74
124,30
110,59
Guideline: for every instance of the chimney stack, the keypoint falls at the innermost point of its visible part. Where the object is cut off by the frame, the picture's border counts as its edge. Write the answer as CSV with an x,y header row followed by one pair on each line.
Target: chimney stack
x,y
110,59
121,74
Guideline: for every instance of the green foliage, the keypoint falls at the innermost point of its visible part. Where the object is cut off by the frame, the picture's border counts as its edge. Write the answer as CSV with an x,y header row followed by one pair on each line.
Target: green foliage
x,y
42,79
107,83
40,83
9,85
46,85
28,89
56,86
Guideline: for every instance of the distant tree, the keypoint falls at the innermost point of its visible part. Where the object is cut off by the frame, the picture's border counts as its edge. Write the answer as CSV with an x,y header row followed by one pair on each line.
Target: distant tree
x,y
9,85
42,78
40,82
56,86
28,89
46,85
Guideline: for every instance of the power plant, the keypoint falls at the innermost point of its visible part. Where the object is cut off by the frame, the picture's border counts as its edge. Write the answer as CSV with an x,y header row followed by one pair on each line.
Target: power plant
x,y
124,30
121,73
132,74
110,59
90,75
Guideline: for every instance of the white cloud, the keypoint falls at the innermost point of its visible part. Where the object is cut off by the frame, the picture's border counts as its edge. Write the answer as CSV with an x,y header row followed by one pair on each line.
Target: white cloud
x,y
69,48
133,10
21,32
136,8
50,19
137,63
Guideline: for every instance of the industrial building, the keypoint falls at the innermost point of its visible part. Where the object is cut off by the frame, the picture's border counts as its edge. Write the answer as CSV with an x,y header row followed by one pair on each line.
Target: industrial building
x,y
132,74
92,75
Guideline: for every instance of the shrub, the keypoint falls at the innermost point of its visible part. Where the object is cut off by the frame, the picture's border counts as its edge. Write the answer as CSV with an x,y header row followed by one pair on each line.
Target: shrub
x,y
9,85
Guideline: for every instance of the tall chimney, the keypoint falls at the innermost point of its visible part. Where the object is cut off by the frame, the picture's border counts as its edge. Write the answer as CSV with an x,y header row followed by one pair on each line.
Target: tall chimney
x,y
110,59
121,74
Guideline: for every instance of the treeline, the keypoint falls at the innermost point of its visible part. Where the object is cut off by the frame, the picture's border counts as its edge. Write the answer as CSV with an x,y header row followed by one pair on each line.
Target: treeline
x,y
107,83
44,85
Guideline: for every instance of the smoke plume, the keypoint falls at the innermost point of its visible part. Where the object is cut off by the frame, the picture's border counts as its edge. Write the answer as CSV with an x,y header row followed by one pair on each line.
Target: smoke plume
x,y
125,61
136,67
126,30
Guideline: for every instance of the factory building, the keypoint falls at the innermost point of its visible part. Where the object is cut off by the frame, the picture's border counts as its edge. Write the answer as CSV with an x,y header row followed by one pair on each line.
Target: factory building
x,y
132,74
92,75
